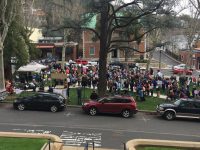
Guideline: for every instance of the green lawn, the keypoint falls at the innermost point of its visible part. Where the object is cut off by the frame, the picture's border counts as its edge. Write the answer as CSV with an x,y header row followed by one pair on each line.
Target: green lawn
x,y
21,143
150,103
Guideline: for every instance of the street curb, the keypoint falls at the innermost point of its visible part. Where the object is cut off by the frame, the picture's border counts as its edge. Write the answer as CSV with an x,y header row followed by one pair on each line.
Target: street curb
x,y
148,112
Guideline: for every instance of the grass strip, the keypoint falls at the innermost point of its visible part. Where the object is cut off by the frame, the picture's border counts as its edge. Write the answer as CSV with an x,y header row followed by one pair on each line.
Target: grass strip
x,y
21,143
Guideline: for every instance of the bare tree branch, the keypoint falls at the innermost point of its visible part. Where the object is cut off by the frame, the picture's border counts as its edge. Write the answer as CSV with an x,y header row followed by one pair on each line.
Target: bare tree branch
x,y
134,39
4,11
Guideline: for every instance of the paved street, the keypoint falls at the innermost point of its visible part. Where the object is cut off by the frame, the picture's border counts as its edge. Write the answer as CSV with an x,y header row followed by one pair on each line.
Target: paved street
x,y
75,127
170,62
164,59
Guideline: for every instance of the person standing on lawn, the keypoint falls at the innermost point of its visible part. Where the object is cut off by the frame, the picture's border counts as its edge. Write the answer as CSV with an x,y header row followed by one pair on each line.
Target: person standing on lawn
x,y
79,94
94,95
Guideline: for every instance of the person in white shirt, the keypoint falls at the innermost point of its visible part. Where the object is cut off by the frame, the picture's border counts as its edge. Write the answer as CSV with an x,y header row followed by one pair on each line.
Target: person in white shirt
x,y
159,74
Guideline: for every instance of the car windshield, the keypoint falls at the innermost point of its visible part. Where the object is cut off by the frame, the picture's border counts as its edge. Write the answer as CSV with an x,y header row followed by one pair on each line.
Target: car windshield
x,y
99,99
177,102
103,99
61,97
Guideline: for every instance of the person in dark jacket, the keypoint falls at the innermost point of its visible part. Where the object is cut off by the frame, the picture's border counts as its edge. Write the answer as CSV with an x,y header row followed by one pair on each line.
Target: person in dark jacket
x,y
94,95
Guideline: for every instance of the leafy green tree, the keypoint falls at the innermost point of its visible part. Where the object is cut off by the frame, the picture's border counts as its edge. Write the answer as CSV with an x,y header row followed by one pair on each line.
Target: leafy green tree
x,y
8,9
15,46
18,45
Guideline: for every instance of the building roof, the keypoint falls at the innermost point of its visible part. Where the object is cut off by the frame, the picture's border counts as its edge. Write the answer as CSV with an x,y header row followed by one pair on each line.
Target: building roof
x,y
92,22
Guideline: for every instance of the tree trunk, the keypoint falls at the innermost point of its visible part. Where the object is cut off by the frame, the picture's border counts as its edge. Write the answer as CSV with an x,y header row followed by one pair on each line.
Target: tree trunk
x,y
189,61
102,86
149,60
2,80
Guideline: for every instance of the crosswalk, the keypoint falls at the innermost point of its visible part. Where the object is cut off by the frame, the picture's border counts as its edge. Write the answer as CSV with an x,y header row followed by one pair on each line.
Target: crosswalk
x,y
70,138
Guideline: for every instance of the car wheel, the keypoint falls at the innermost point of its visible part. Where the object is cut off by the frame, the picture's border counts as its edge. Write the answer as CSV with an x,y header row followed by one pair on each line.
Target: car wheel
x,y
169,115
54,108
126,113
92,111
21,107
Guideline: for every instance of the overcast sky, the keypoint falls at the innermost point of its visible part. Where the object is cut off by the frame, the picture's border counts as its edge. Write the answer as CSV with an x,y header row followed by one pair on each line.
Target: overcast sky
x,y
183,4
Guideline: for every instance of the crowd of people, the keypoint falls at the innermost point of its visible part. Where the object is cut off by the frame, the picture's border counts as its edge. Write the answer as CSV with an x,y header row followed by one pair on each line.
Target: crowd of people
x,y
122,80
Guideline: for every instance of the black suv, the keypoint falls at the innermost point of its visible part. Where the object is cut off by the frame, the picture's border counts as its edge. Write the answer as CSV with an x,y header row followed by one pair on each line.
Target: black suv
x,y
180,108
41,101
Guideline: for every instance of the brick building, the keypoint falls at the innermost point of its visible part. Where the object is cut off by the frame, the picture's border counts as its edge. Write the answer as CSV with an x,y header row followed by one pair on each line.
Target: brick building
x,y
91,50
52,47
185,57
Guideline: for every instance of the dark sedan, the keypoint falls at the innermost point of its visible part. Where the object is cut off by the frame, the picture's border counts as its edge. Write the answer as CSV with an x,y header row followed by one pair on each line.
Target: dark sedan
x,y
41,101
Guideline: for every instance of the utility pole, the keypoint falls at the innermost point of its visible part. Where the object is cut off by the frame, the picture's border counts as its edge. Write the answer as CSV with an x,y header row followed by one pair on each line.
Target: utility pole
x,y
2,80
64,40
64,49
160,60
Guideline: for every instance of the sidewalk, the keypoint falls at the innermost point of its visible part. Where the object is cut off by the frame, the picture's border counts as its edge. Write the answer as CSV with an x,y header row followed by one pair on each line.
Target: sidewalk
x,y
161,96
75,148
82,148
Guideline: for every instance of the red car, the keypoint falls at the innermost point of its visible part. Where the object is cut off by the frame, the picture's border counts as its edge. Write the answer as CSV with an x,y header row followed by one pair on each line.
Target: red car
x,y
182,69
124,105
81,61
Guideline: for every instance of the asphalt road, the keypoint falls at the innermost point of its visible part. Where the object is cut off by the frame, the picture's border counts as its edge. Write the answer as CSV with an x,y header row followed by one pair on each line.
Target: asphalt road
x,y
170,62
164,59
107,131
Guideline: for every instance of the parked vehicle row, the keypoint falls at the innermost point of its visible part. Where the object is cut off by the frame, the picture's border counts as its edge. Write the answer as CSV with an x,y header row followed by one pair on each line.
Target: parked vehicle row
x,y
124,105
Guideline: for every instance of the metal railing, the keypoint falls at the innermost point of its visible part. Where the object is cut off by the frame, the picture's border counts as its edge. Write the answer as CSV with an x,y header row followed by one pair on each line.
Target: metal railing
x,y
49,145
86,147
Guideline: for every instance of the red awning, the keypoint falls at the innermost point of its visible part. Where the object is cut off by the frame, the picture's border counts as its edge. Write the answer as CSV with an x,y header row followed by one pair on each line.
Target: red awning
x,y
44,46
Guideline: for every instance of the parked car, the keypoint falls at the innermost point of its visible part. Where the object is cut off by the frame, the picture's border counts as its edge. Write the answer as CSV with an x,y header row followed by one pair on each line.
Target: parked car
x,y
180,108
124,105
182,69
93,63
81,61
41,101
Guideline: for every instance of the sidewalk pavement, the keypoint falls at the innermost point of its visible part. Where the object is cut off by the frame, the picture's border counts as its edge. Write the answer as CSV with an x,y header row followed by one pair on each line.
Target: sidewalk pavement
x,y
161,96
76,148
82,148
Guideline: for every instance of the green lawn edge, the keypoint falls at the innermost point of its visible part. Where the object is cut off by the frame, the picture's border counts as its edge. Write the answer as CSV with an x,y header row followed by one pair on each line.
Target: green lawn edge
x,y
10,143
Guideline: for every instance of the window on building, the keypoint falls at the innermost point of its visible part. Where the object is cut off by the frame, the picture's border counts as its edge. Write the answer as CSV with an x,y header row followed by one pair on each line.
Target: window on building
x,y
92,50
114,53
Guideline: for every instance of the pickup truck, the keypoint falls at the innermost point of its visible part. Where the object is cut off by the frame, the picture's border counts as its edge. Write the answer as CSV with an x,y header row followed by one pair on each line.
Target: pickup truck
x,y
3,95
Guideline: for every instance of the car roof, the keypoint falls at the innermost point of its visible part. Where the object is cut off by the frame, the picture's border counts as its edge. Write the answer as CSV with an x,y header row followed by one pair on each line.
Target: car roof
x,y
189,99
46,93
119,96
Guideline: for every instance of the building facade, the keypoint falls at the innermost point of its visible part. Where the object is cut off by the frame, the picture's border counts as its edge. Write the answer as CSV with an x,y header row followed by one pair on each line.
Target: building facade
x,y
185,57
52,47
91,50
